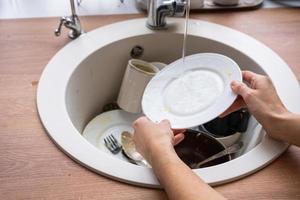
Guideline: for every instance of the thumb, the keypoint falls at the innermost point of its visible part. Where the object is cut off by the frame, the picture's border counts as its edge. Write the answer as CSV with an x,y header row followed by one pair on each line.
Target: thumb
x,y
165,123
240,89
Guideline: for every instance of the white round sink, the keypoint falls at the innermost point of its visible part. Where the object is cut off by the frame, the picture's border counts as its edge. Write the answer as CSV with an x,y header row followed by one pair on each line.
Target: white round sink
x,y
86,74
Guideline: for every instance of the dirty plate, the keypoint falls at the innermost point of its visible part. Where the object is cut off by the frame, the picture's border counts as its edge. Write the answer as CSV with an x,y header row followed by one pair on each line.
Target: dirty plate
x,y
192,92
112,122
198,146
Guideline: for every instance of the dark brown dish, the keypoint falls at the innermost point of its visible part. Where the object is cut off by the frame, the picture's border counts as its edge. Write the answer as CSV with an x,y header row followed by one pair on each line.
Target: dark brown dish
x,y
228,125
198,146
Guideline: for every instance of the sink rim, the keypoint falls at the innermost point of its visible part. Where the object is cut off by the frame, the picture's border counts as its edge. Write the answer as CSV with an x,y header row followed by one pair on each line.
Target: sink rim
x,y
53,84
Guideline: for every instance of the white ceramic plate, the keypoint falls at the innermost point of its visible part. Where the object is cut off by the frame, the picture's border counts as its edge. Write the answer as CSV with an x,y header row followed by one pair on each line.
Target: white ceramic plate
x,y
112,122
192,92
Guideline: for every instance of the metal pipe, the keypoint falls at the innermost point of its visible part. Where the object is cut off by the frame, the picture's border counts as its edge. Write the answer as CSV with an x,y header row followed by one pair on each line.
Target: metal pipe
x,y
73,10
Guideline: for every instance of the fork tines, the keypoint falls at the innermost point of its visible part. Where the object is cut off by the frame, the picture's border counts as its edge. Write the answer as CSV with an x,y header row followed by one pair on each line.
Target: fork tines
x,y
112,144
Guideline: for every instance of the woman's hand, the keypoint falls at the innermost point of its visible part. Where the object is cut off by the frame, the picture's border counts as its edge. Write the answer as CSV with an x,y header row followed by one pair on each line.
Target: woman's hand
x,y
151,138
259,95
155,142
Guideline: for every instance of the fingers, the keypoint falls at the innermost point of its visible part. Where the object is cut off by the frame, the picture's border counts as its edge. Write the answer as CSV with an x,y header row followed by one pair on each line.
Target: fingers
x,y
241,89
140,121
178,138
165,123
177,131
237,104
248,76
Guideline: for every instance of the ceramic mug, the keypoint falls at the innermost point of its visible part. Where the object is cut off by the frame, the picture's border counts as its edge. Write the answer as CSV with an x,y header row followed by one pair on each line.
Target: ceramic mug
x,y
159,65
137,75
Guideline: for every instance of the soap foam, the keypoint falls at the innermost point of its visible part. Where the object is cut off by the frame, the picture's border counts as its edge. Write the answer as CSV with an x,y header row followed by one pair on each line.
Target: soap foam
x,y
192,92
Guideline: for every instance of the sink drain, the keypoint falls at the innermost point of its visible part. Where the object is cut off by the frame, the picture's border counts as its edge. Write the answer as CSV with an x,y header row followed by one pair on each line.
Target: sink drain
x,y
137,51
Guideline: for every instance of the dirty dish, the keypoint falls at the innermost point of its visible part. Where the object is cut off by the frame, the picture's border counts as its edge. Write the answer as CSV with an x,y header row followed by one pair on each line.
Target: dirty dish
x,y
227,151
228,129
192,92
137,75
229,140
128,146
226,140
106,124
228,125
197,146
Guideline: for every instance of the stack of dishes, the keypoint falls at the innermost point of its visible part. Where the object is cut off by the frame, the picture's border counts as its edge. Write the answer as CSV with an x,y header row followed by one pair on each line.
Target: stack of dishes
x,y
188,92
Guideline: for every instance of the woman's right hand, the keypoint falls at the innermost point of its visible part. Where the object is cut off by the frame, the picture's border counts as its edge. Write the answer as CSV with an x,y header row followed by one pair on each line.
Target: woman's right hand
x,y
260,97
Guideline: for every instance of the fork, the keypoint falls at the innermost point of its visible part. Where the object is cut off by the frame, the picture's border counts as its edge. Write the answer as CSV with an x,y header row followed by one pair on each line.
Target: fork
x,y
112,144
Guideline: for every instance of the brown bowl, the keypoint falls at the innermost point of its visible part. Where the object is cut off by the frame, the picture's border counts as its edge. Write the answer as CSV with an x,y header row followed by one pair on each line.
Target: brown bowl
x,y
197,146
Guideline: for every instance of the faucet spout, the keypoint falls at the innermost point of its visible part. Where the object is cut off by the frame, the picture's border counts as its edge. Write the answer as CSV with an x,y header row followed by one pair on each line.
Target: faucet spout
x,y
158,10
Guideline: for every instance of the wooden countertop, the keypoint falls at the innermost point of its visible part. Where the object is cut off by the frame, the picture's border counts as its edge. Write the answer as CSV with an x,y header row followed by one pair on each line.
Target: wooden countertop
x,y
32,167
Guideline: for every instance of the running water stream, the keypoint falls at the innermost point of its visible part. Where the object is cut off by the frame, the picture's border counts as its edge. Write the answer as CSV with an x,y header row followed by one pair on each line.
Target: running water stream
x,y
186,29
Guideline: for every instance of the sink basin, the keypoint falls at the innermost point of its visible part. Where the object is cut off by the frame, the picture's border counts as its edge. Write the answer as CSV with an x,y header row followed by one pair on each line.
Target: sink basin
x,y
86,74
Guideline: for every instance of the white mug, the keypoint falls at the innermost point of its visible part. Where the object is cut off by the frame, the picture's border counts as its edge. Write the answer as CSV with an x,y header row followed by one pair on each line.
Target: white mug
x,y
137,75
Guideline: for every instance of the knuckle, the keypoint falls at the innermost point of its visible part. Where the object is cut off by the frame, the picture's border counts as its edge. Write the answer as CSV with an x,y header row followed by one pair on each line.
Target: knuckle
x,y
248,94
267,79
240,88
253,80
137,122
165,121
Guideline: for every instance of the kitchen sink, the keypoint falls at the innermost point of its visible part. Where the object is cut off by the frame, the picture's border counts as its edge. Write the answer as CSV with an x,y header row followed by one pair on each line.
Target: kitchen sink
x,y
86,74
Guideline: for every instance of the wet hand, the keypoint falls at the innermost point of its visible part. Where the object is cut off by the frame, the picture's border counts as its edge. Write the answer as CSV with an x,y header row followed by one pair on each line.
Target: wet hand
x,y
152,138
259,95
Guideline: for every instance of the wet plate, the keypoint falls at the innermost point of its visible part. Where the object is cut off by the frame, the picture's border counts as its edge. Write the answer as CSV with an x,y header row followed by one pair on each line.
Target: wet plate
x,y
192,92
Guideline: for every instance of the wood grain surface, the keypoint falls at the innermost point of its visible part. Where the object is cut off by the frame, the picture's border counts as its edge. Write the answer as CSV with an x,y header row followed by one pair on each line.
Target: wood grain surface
x,y
32,167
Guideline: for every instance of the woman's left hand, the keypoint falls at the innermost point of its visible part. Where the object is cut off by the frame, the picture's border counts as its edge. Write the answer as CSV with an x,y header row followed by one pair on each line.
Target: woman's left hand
x,y
151,138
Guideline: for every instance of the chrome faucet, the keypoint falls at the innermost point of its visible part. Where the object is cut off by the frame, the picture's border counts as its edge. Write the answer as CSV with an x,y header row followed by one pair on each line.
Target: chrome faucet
x,y
71,22
158,10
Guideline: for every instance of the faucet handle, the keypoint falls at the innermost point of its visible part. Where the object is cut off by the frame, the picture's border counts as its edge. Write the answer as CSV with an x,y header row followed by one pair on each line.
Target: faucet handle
x,y
72,23
57,31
